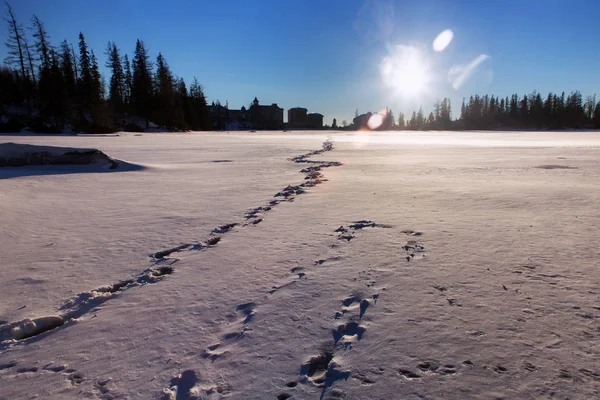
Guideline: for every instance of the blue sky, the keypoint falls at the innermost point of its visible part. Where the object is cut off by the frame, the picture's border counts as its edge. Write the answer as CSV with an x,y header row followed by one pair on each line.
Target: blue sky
x,y
327,55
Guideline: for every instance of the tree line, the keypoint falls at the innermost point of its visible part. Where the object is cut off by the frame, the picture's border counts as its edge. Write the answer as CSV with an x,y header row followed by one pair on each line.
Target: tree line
x,y
50,87
493,112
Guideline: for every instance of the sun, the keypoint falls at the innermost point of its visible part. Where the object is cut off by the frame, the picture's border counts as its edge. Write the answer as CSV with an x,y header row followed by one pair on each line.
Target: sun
x,y
406,71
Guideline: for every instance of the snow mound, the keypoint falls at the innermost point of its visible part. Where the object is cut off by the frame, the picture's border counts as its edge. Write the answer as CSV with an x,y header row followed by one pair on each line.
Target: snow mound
x,y
20,155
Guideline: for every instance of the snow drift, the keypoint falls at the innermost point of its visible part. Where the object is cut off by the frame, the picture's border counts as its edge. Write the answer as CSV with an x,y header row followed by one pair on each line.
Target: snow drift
x,y
20,155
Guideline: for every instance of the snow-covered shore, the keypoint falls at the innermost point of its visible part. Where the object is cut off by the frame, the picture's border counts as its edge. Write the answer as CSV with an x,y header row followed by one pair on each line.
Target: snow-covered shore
x,y
21,155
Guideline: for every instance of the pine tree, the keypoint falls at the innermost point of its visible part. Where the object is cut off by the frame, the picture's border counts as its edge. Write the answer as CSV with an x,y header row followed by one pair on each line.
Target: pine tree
x,y
420,119
596,117
128,80
181,105
141,85
163,82
413,121
437,116
85,85
431,121
67,66
59,109
401,122
589,107
117,86
390,122
200,106
97,84
444,120
334,124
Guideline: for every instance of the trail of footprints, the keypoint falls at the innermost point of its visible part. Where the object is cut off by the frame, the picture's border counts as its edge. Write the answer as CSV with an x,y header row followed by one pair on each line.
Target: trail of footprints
x,y
162,265
76,307
323,370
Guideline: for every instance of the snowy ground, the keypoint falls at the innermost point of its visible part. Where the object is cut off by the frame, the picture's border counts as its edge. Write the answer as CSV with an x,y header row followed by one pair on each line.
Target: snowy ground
x,y
474,273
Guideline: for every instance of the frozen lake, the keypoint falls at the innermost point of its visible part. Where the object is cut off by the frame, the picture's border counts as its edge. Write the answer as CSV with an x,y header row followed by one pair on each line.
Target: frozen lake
x,y
473,274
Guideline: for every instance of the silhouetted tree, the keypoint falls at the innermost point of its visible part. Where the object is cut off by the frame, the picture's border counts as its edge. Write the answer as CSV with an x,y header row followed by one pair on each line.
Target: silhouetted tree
x,y
413,124
390,121
163,82
128,80
85,85
67,66
200,106
401,123
117,86
141,84
17,49
41,43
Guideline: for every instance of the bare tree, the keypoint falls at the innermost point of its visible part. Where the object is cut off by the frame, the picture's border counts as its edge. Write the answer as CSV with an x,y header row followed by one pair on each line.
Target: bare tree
x,y
42,42
30,61
17,49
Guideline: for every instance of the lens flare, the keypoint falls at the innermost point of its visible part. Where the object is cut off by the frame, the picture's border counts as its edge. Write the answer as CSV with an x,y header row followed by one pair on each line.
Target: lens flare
x,y
443,40
460,74
375,121
406,70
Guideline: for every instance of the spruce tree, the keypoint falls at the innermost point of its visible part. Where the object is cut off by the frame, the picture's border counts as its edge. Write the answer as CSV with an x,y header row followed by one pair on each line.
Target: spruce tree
x,y
390,120
85,85
117,86
97,94
181,105
67,66
163,82
141,85
200,106
596,117
413,121
431,121
401,122
128,80
420,119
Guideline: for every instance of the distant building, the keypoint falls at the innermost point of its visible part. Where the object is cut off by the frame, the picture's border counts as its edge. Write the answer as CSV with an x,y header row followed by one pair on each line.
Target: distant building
x,y
256,117
315,120
219,115
298,118
266,117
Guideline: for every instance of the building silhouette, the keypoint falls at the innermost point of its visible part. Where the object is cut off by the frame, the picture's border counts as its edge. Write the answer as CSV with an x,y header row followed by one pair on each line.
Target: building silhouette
x,y
255,117
266,117
299,118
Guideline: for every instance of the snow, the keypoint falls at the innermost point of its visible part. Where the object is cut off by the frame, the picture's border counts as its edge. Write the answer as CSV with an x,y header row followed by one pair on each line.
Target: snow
x,y
471,272
20,155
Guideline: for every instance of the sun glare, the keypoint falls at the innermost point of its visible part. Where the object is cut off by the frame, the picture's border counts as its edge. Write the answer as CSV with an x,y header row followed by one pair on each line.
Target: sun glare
x,y
406,71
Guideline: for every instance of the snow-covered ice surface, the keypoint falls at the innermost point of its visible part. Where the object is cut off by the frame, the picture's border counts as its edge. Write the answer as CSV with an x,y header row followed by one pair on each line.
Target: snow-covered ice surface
x,y
472,271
